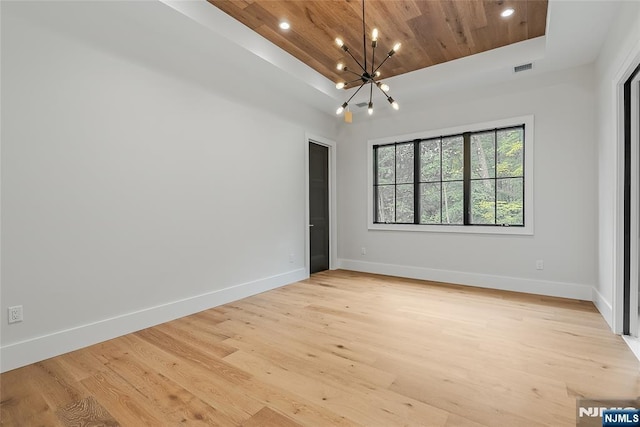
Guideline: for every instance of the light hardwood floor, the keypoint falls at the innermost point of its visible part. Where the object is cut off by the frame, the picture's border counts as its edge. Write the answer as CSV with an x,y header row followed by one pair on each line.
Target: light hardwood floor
x,y
339,349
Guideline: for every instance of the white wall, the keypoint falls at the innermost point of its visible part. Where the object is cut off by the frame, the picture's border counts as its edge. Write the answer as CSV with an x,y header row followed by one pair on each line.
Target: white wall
x,y
565,185
135,189
619,55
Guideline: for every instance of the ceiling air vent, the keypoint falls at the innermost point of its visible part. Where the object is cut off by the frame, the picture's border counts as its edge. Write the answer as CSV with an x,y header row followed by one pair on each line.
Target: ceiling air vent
x,y
361,104
523,67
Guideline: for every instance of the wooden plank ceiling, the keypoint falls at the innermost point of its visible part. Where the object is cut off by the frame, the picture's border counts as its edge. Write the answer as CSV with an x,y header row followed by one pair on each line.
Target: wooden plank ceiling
x,y
431,31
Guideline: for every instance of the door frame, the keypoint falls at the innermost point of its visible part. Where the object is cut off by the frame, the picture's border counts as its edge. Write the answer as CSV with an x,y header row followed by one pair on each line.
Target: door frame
x,y
631,124
333,228
617,305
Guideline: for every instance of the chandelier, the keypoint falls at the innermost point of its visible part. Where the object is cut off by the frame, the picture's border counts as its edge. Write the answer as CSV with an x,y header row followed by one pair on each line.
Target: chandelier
x,y
367,75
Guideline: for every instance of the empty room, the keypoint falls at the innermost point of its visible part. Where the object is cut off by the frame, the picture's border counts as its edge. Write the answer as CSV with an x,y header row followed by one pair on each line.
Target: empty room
x,y
320,213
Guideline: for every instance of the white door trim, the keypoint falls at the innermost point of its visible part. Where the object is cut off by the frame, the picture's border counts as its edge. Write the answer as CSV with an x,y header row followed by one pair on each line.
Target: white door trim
x,y
635,208
625,71
333,228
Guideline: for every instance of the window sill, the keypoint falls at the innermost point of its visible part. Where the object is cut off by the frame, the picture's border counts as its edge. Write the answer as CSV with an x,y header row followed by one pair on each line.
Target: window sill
x,y
468,229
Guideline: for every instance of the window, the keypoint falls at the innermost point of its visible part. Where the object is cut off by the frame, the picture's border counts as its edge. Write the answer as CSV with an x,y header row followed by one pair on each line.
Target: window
x,y
472,177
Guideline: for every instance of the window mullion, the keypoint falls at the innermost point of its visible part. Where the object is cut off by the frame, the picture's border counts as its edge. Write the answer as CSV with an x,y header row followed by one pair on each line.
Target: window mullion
x,y
495,176
376,214
466,177
524,201
395,183
416,181
441,183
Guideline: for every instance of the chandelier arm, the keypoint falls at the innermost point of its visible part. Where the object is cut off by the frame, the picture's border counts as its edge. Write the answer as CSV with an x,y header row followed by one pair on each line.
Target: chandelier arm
x,y
373,61
359,79
355,93
370,92
378,67
353,72
357,62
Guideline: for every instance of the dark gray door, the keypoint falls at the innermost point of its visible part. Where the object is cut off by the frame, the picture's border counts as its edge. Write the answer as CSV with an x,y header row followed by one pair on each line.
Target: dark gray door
x,y
318,207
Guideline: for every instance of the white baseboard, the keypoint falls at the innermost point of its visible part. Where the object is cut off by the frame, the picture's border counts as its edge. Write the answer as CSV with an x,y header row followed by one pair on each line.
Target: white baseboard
x,y
634,344
603,306
33,350
539,287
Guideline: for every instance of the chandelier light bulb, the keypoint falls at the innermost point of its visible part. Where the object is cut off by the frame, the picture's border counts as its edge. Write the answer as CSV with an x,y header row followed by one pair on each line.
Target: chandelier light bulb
x,y
384,87
374,35
377,73
339,42
395,105
341,108
370,109
340,85
396,47
340,66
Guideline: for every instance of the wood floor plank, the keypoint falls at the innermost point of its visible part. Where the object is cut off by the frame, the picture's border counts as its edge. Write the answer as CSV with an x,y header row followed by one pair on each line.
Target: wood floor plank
x,y
204,356
80,365
200,325
21,402
340,349
267,417
198,337
86,412
121,400
55,385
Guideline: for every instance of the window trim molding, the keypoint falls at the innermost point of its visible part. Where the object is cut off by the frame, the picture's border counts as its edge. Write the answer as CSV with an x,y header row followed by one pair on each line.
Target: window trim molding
x,y
528,228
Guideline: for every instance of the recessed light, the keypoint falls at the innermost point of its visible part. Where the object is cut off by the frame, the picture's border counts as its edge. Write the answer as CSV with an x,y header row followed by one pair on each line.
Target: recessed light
x,y
284,25
507,12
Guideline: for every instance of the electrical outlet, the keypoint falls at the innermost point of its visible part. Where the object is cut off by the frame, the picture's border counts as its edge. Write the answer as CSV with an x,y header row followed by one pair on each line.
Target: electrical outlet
x,y
539,264
363,251
15,314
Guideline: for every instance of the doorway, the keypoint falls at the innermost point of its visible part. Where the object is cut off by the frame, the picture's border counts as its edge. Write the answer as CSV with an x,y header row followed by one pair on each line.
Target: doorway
x,y
321,242
631,288
318,208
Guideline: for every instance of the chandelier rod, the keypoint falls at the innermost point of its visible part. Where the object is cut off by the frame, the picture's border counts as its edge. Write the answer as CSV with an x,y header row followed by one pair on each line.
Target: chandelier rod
x,y
352,72
382,63
370,97
364,41
359,79
374,43
354,58
355,93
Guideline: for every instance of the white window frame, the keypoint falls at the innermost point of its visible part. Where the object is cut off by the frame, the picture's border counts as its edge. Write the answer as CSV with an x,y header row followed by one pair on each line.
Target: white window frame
x,y
528,122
